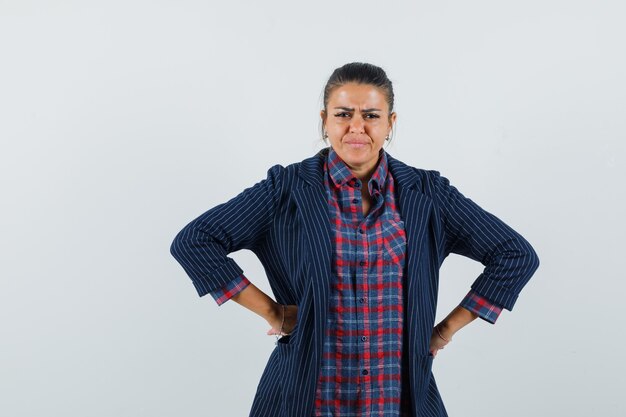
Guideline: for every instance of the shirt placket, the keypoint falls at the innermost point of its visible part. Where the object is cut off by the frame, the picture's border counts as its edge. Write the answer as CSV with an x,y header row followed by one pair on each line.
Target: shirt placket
x,y
364,256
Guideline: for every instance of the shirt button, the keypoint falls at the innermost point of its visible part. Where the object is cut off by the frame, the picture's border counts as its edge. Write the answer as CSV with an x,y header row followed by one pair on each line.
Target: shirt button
x,y
361,231
361,300
362,263
364,338
356,200
364,371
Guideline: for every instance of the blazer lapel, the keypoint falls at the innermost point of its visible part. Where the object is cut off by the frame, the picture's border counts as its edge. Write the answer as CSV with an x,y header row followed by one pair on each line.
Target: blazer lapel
x,y
312,203
414,207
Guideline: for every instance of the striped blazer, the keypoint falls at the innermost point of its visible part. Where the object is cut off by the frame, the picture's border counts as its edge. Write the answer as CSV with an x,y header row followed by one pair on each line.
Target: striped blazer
x,y
284,220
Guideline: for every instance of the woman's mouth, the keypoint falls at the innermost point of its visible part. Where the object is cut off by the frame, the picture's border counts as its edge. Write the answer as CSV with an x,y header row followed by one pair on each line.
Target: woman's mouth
x,y
356,145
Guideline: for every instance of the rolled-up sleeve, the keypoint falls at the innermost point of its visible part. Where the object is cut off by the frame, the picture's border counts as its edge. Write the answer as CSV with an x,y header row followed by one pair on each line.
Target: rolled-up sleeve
x,y
228,291
482,306
471,231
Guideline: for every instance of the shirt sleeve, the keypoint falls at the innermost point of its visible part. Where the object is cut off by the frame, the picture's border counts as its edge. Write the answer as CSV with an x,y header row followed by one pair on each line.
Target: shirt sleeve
x,y
225,293
486,310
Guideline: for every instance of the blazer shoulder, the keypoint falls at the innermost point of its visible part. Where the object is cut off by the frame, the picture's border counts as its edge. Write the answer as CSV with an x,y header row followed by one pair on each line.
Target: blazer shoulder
x,y
435,186
291,173
307,171
285,178
429,180
432,181
422,180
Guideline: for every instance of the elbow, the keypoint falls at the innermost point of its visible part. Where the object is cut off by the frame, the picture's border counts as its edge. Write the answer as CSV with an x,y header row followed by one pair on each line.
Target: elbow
x,y
535,262
523,256
177,246
532,260
173,247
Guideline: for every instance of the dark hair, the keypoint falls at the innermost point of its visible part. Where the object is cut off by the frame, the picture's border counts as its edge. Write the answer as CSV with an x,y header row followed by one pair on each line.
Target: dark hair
x,y
360,73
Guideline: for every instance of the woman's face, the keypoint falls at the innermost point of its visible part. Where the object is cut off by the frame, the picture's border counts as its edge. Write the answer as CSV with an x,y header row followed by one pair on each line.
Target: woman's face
x,y
357,121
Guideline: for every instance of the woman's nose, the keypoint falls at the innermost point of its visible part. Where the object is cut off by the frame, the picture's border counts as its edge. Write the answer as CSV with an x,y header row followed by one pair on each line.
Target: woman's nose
x,y
357,124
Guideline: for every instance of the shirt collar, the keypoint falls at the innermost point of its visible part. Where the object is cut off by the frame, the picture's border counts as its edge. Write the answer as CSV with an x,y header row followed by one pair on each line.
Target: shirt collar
x,y
341,174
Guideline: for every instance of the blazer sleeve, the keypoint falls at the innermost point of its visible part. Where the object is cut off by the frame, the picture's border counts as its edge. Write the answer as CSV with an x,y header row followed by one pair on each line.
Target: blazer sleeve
x,y
471,231
201,247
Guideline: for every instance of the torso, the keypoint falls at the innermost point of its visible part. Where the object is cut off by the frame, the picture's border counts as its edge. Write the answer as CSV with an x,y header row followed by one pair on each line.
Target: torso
x,y
366,198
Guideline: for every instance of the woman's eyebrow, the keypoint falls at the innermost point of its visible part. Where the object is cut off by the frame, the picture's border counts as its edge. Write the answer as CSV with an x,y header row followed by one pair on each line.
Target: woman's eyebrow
x,y
351,109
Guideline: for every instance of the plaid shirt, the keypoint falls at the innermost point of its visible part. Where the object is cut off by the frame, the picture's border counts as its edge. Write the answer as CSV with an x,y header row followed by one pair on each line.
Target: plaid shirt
x,y
362,369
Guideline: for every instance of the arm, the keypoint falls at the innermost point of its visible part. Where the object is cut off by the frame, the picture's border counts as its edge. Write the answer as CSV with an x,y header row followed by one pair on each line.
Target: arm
x,y
471,307
473,232
482,306
246,294
201,247
228,291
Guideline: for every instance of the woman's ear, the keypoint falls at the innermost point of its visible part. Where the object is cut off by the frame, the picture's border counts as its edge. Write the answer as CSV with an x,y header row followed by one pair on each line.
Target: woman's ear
x,y
392,118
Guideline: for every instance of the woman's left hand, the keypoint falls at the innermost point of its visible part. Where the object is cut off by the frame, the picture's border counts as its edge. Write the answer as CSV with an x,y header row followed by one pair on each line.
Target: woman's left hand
x,y
437,341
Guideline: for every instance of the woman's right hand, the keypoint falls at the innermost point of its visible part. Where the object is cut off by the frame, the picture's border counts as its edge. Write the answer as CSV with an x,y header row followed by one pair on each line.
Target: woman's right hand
x,y
291,315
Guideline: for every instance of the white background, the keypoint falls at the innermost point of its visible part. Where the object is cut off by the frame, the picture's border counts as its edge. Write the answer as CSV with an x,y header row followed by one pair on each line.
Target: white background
x,y
121,121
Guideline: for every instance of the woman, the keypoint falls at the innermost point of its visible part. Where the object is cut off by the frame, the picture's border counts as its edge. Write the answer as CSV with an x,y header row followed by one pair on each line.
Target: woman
x,y
352,240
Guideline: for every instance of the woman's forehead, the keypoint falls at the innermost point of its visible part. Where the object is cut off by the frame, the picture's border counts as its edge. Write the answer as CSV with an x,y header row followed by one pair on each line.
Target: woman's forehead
x,y
357,95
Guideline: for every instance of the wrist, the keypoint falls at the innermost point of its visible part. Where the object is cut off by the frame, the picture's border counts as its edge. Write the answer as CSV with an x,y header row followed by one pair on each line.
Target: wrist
x,y
446,330
456,320
274,312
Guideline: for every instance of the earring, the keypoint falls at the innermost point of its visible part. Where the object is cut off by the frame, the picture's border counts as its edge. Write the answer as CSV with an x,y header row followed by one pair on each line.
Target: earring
x,y
387,138
325,135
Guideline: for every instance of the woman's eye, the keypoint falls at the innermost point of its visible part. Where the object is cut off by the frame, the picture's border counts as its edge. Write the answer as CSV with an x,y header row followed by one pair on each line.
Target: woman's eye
x,y
367,116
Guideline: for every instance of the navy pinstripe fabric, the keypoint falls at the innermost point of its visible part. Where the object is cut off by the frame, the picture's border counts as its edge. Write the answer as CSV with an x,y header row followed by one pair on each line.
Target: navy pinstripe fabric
x,y
284,220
